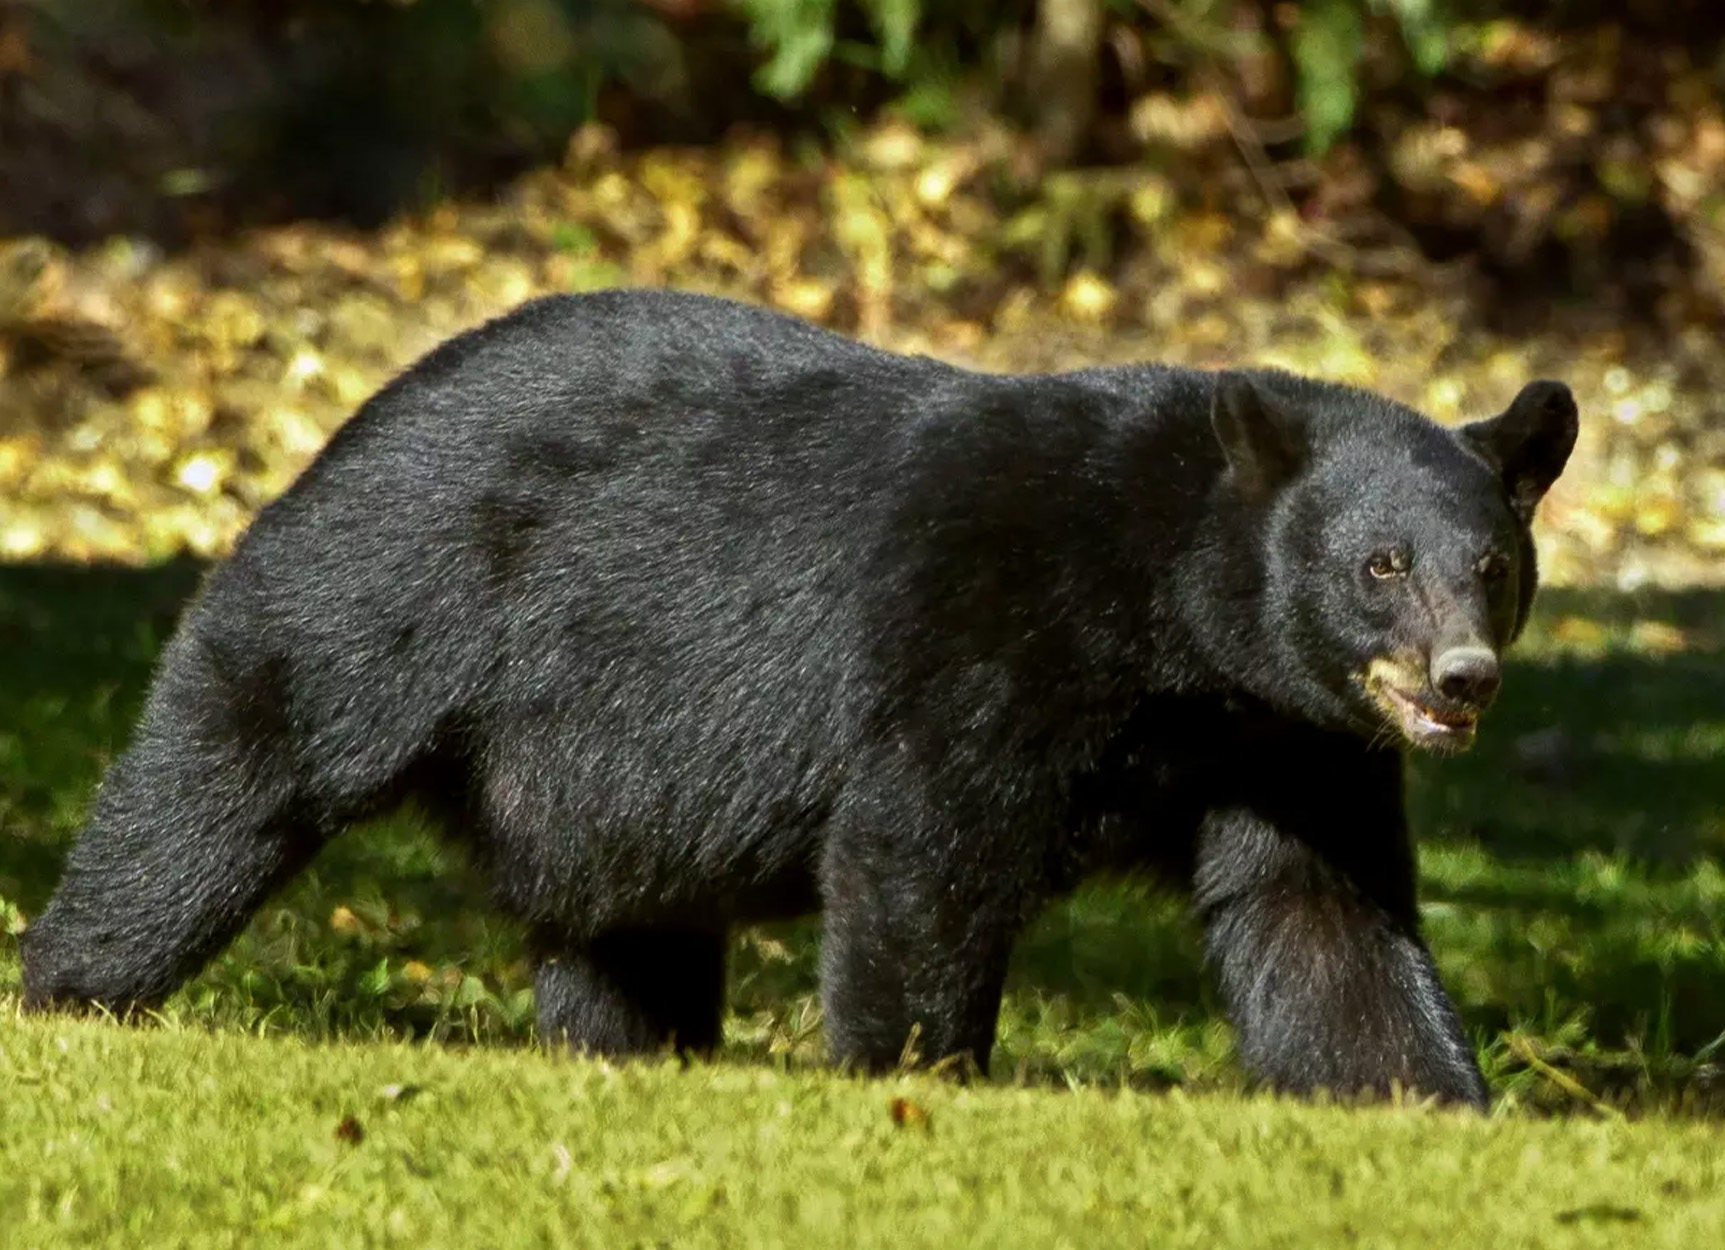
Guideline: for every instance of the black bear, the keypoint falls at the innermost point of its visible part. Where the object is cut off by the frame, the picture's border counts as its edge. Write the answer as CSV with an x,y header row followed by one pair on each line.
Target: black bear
x,y
685,614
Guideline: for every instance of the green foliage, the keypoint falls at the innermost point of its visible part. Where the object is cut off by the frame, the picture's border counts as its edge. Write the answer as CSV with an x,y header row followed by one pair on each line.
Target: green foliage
x,y
1327,46
1424,27
931,100
800,35
896,22
1329,43
524,73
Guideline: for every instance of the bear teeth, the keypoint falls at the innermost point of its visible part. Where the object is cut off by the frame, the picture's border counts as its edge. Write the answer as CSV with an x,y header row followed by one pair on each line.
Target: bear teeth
x,y
1422,721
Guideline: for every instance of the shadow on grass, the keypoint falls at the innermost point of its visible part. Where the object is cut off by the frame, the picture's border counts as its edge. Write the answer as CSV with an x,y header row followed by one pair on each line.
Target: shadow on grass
x,y
1571,867
1599,743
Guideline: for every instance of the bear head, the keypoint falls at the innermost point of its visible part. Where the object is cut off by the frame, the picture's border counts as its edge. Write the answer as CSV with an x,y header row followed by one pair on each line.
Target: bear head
x,y
1385,562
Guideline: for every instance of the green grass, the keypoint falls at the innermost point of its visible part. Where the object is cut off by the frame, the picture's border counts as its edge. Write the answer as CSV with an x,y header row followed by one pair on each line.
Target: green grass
x,y
183,1138
1574,895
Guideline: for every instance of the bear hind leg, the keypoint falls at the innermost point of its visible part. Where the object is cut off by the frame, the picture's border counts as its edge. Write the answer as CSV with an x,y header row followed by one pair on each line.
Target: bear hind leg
x,y
192,828
632,992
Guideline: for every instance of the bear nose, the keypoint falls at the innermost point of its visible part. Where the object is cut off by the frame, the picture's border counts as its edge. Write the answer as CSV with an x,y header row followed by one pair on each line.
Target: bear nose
x,y
1467,674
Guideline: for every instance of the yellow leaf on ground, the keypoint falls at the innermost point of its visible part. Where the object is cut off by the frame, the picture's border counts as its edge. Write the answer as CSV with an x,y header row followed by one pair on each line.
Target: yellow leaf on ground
x,y
1660,637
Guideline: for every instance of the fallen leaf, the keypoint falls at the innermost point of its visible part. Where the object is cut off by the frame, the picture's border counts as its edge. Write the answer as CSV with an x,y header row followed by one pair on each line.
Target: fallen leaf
x,y
1659,637
907,1114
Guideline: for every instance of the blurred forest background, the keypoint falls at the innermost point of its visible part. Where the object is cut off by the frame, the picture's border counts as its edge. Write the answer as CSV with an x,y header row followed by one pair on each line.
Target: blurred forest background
x,y
225,222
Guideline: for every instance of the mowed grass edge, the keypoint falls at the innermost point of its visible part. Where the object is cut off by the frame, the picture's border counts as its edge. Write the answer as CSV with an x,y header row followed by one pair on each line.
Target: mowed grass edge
x,y
183,1137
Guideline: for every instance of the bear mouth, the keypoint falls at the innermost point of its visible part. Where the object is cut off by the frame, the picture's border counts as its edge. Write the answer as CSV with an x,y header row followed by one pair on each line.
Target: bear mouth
x,y
1441,729
1424,720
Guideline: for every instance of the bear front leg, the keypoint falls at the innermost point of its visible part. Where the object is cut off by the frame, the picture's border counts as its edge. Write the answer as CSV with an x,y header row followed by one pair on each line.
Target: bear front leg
x,y
1320,960
632,992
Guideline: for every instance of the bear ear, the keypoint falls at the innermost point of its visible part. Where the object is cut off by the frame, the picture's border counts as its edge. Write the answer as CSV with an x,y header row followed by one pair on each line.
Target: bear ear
x,y
1529,442
1262,445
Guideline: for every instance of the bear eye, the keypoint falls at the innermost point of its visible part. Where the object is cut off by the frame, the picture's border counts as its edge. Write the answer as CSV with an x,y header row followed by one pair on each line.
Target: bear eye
x,y
1392,563
1493,566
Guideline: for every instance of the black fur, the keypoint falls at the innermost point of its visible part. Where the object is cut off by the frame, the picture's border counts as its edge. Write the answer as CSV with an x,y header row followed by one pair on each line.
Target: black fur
x,y
687,614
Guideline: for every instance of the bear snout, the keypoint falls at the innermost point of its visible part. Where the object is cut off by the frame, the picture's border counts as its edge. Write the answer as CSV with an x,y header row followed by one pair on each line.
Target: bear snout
x,y
1427,715
1469,675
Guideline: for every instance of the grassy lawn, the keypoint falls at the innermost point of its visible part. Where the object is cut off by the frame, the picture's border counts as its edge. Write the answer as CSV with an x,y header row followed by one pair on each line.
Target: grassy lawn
x,y
183,1138
1575,899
